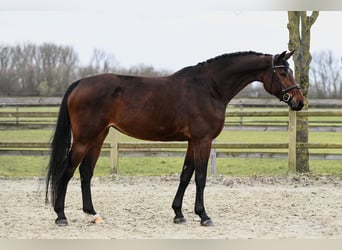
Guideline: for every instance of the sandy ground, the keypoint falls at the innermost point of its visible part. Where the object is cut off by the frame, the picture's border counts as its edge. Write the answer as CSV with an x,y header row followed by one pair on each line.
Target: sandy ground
x,y
140,207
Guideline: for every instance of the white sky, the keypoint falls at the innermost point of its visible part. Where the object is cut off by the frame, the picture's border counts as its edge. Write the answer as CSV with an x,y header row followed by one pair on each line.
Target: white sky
x,y
167,35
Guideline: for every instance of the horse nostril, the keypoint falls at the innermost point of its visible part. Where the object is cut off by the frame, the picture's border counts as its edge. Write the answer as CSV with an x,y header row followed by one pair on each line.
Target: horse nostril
x,y
300,104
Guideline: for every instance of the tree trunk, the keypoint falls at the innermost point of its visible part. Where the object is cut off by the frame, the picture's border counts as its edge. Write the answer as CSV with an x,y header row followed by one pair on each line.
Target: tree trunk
x,y
299,39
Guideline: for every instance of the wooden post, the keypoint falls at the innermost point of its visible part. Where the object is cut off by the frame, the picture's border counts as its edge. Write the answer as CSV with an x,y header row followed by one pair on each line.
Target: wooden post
x,y
17,117
114,153
292,130
241,117
213,160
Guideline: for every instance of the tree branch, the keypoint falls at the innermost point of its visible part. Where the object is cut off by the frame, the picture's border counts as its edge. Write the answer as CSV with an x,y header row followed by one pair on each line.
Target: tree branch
x,y
312,19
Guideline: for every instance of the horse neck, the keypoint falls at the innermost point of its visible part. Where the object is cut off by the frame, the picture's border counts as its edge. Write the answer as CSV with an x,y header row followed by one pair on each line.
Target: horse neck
x,y
230,79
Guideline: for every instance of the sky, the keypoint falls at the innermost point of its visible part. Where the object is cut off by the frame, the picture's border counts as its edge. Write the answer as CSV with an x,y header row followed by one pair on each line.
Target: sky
x,y
164,34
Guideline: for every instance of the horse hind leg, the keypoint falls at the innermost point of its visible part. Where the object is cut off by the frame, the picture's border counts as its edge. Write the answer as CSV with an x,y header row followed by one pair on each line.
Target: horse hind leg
x,y
86,172
75,156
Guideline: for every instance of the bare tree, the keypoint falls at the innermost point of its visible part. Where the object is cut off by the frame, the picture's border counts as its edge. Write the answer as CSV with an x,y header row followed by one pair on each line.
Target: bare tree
x,y
24,69
100,62
55,68
6,72
48,69
325,73
144,70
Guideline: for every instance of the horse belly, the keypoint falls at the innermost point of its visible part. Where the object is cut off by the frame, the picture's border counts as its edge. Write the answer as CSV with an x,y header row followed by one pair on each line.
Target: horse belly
x,y
150,129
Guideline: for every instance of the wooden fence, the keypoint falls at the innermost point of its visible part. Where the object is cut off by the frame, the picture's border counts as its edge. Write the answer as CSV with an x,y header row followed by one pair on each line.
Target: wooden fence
x,y
117,149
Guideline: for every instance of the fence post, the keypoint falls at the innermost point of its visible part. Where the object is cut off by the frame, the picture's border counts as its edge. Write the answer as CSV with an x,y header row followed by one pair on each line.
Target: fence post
x,y
241,117
17,117
213,160
292,130
114,153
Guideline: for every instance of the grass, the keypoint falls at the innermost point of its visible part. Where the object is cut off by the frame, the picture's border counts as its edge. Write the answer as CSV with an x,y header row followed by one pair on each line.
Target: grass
x,y
24,166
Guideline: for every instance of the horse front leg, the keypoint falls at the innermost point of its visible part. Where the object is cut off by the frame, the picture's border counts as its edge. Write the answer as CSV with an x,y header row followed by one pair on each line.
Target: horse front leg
x,y
187,172
201,155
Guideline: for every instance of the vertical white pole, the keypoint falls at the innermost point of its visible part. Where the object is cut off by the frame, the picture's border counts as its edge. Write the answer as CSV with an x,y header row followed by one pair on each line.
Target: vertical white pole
x,y
114,154
292,130
213,160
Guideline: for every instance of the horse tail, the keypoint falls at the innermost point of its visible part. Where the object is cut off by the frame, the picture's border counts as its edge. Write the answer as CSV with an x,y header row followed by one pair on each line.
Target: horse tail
x,y
60,147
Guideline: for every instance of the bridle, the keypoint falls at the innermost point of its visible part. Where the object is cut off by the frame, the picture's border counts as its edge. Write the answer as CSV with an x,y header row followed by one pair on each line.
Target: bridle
x,y
286,97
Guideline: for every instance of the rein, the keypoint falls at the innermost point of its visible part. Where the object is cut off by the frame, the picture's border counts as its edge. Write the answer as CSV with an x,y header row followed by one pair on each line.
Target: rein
x,y
286,97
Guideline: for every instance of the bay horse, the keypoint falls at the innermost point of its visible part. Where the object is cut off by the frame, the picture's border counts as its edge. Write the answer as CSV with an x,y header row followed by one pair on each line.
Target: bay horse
x,y
188,105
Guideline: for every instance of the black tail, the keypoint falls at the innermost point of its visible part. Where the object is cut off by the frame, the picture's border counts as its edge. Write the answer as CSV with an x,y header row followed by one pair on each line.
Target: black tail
x,y
60,147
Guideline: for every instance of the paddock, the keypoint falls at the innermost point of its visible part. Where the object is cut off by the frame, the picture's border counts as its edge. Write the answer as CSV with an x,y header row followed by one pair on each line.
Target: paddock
x,y
300,207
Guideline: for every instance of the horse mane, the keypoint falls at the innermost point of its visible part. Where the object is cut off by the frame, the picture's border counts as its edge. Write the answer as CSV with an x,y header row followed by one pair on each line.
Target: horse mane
x,y
229,56
226,57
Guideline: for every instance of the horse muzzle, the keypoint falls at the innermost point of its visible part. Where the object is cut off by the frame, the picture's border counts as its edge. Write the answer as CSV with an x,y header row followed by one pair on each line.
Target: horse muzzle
x,y
295,105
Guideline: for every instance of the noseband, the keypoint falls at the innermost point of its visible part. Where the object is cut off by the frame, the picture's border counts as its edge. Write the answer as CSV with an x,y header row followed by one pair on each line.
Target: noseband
x,y
286,97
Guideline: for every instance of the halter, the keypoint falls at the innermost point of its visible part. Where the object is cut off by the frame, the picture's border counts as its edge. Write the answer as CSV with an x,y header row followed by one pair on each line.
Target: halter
x,y
286,97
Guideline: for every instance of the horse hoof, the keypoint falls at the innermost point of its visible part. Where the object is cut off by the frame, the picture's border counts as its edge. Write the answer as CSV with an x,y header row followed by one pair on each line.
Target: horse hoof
x,y
61,222
207,223
97,219
179,220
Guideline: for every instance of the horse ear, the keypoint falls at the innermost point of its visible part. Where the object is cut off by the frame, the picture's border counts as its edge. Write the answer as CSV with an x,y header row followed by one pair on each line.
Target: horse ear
x,y
288,55
280,57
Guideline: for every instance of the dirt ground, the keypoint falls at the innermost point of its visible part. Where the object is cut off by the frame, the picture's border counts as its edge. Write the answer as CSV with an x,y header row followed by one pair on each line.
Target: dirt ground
x,y
140,207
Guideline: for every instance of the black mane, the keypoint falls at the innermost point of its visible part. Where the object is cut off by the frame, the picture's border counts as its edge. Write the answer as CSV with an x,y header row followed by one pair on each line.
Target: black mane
x,y
228,56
